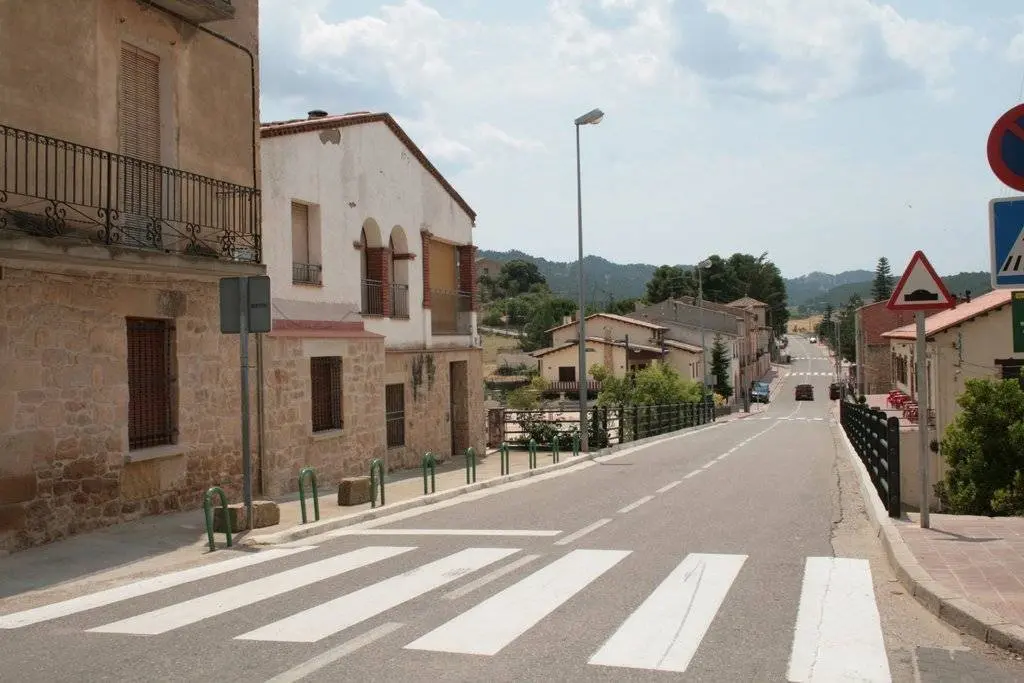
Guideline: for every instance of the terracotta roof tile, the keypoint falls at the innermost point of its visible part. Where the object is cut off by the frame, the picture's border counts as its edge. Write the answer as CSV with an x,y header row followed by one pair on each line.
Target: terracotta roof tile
x,y
307,125
943,320
617,318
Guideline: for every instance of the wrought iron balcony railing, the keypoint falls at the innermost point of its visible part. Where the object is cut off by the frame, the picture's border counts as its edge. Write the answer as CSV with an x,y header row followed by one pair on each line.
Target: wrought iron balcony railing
x,y
399,300
55,188
451,312
307,274
373,297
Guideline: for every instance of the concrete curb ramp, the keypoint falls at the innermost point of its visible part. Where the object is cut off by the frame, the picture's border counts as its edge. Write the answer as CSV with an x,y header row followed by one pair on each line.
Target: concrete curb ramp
x,y
316,528
949,605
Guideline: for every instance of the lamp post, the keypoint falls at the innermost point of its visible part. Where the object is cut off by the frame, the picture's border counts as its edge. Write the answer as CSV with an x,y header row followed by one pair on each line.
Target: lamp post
x,y
700,311
592,117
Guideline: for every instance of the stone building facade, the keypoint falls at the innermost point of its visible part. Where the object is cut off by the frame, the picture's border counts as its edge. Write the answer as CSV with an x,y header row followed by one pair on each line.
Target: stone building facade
x,y
118,394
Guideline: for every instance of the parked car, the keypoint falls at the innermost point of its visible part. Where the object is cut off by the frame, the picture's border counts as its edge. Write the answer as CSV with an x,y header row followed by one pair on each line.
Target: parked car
x,y
813,340
759,392
804,392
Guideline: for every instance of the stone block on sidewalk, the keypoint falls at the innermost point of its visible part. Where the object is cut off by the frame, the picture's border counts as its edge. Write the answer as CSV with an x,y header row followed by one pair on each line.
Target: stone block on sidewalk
x,y
354,491
264,513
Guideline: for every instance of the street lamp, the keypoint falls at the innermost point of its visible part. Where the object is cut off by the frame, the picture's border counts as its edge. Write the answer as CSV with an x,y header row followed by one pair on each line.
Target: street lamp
x,y
700,309
592,117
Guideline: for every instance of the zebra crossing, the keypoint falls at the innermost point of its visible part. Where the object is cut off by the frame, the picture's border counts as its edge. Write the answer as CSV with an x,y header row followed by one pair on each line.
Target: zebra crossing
x,y
837,633
811,374
789,419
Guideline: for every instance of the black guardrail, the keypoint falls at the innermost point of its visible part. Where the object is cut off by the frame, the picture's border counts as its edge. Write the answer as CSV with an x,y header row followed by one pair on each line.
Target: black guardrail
x,y
876,438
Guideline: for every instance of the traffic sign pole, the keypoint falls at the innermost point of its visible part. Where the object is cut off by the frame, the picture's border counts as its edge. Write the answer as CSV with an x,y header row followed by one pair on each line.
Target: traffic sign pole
x,y
243,353
922,414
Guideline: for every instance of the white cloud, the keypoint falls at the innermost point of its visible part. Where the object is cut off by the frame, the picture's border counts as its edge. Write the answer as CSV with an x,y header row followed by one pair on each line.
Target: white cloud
x,y
1015,50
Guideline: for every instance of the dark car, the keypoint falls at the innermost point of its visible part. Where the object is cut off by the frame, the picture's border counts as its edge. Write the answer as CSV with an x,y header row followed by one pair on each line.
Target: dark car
x,y
760,392
804,392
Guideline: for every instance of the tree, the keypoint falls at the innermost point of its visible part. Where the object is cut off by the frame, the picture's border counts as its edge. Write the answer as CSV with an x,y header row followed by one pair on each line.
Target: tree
x,y
984,449
667,282
657,384
546,312
826,329
881,286
847,329
518,277
720,367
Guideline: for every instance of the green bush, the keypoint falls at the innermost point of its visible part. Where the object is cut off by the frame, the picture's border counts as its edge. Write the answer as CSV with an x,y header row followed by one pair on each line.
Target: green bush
x,y
984,449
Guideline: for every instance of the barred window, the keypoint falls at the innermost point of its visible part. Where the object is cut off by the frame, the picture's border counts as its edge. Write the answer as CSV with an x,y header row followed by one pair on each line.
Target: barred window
x,y
326,374
151,400
394,414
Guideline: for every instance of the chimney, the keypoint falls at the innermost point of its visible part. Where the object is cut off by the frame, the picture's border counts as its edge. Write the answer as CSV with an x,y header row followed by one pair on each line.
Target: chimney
x,y
317,114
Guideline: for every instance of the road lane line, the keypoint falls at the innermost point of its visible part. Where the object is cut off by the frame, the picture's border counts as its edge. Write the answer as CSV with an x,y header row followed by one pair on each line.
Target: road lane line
x,y
335,653
336,615
576,535
635,504
143,587
708,465
692,474
446,532
663,634
213,604
492,576
490,626
669,486
838,634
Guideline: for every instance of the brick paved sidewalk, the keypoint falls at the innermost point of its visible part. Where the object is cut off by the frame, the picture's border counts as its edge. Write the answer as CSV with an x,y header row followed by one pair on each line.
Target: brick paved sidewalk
x,y
981,558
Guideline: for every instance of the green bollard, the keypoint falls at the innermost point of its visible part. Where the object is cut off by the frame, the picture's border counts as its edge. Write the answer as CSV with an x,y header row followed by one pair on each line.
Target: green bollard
x,y
575,445
506,464
429,461
554,448
532,449
311,473
376,480
208,512
470,459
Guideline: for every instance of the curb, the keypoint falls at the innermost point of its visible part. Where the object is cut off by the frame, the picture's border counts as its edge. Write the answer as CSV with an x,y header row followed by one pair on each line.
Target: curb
x,y
949,605
317,528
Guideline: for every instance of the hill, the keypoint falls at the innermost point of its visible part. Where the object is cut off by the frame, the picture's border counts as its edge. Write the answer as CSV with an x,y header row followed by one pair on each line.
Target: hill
x,y
807,294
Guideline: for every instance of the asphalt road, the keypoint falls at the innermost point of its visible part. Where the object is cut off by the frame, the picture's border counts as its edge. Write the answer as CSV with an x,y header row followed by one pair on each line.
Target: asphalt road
x,y
738,552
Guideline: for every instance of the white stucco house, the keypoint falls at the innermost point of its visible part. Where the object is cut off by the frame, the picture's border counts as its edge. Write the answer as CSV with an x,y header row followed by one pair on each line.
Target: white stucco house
x,y
372,265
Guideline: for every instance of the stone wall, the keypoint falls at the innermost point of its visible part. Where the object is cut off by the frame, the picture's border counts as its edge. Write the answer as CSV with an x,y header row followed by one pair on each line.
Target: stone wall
x,y
876,367
290,442
64,402
427,403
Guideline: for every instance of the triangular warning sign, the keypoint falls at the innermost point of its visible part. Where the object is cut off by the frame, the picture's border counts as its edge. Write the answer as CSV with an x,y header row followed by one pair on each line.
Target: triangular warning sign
x,y
920,288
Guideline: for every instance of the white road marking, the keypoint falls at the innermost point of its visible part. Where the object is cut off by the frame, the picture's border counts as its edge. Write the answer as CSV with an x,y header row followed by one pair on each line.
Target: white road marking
x,y
492,576
635,504
446,532
663,634
575,536
336,615
692,474
143,587
708,466
838,635
238,596
490,626
335,653
669,486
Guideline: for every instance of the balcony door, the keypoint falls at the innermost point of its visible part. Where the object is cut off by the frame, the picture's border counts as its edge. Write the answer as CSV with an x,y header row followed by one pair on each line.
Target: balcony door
x,y
138,177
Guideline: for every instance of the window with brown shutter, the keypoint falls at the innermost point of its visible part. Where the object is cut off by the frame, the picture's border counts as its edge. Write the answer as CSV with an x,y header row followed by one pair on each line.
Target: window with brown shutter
x,y
394,414
326,393
138,122
151,398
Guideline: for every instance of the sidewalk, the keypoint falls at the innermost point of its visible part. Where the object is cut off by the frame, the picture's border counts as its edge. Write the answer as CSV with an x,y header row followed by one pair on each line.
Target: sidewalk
x,y
964,569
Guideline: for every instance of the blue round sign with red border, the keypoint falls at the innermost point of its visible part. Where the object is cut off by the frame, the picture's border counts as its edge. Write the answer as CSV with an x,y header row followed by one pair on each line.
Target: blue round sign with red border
x,y
1006,148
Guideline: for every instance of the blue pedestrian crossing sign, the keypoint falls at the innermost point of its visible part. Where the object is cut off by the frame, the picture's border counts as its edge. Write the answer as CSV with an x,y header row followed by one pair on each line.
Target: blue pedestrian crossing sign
x,y
1006,239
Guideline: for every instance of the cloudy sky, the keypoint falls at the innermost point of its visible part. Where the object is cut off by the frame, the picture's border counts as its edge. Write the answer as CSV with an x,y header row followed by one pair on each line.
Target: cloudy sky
x,y
826,132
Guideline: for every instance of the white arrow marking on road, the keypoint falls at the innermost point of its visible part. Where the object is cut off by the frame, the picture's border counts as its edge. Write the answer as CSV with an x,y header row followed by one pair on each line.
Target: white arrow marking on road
x,y
663,634
328,618
490,626
139,588
211,605
838,636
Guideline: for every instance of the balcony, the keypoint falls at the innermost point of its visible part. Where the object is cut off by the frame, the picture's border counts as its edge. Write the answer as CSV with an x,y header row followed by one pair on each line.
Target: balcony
x,y
373,297
198,11
399,300
451,312
57,189
307,274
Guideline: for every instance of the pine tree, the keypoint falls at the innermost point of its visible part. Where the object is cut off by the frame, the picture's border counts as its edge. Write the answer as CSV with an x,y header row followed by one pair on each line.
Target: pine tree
x,y
720,368
881,287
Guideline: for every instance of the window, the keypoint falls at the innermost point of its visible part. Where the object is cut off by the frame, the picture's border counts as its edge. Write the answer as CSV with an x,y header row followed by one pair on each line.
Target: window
x,y
138,121
326,395
305,270
151,400
567,373
394,414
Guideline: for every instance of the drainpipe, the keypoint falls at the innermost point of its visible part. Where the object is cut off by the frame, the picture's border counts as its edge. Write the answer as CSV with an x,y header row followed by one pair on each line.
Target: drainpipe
x,y
252,76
